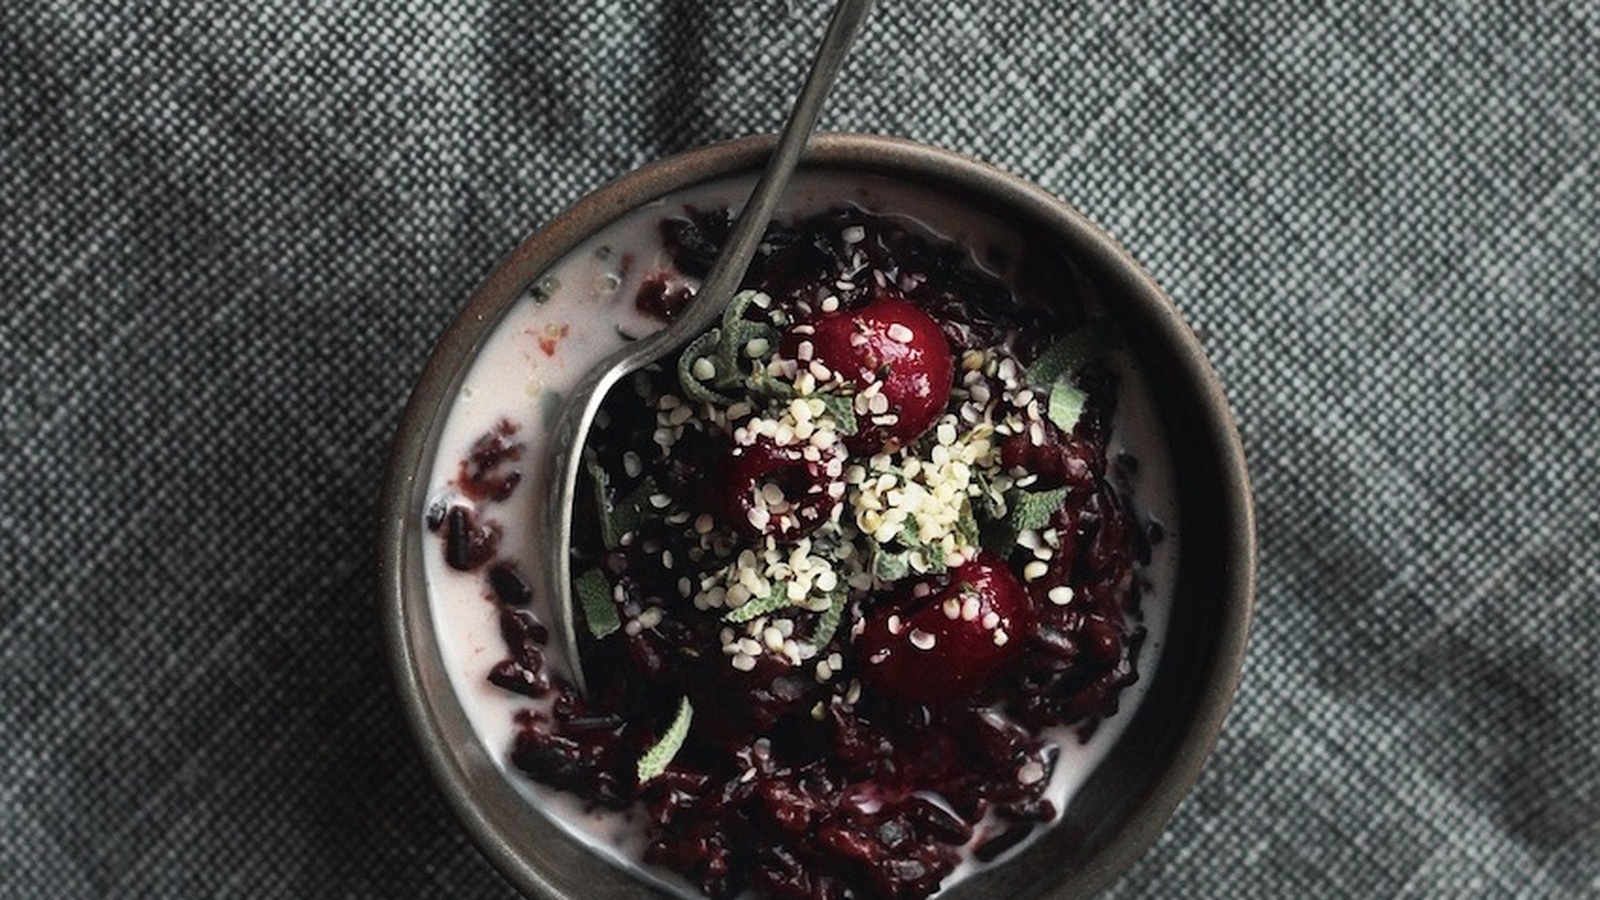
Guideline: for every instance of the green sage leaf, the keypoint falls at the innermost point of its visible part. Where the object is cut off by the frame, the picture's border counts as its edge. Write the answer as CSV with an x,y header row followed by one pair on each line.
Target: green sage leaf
x,y
828,624
1066,356
704,347
738,331
594,596
1066,404
1024,510
842,407
764,383
655,760
967,524
1035,509
891,565
756,607
630,512
985,505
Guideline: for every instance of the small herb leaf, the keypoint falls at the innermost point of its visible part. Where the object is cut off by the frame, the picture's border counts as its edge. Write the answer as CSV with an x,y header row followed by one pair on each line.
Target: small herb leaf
x,y
703,347
1069,354
738,331
842,407
987,505
594,595
776,599
891,565
763,383
630,512
829,622
655,760
1066,404
967,525
1024,510
1035,509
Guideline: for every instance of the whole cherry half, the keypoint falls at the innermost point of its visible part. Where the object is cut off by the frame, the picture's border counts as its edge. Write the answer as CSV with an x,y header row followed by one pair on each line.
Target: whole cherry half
x,y
785,491
945,644
894,357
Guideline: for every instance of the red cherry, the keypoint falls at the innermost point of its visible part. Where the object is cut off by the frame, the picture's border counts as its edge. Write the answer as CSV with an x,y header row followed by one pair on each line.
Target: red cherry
x,y
808,479
946,644
891,342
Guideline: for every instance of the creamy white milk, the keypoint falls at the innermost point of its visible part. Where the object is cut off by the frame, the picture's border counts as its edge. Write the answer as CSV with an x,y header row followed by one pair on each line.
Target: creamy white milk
x,y
577,312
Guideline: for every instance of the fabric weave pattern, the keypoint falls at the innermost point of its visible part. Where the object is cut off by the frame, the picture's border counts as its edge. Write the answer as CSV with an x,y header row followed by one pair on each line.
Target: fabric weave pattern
x,y
229,235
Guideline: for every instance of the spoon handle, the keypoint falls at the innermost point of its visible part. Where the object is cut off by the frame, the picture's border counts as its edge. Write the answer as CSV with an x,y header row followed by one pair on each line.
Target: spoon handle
x,y
722,282
718,287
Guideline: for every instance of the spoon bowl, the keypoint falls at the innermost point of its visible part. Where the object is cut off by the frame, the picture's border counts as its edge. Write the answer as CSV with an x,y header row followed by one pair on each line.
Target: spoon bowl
x,y
583,401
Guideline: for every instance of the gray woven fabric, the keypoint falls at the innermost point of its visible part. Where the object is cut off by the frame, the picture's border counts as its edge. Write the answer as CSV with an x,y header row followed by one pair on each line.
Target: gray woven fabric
x,y
229,234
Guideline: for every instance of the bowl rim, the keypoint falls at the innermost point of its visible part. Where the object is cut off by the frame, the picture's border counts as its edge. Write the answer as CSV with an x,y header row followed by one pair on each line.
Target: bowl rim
x,y
414,446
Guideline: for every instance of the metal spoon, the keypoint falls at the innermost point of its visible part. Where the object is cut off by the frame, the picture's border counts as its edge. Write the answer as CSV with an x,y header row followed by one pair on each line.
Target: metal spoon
x,y
719,286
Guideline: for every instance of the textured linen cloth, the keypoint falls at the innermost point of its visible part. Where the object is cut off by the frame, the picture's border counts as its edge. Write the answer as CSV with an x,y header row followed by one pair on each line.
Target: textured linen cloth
x,y
230,233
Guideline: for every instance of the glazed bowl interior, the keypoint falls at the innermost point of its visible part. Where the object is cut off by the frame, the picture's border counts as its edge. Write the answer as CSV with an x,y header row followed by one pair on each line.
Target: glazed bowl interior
x,y
1124,803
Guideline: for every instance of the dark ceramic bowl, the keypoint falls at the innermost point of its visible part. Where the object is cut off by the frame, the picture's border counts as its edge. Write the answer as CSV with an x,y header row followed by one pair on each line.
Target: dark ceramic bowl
x,y
1126,801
